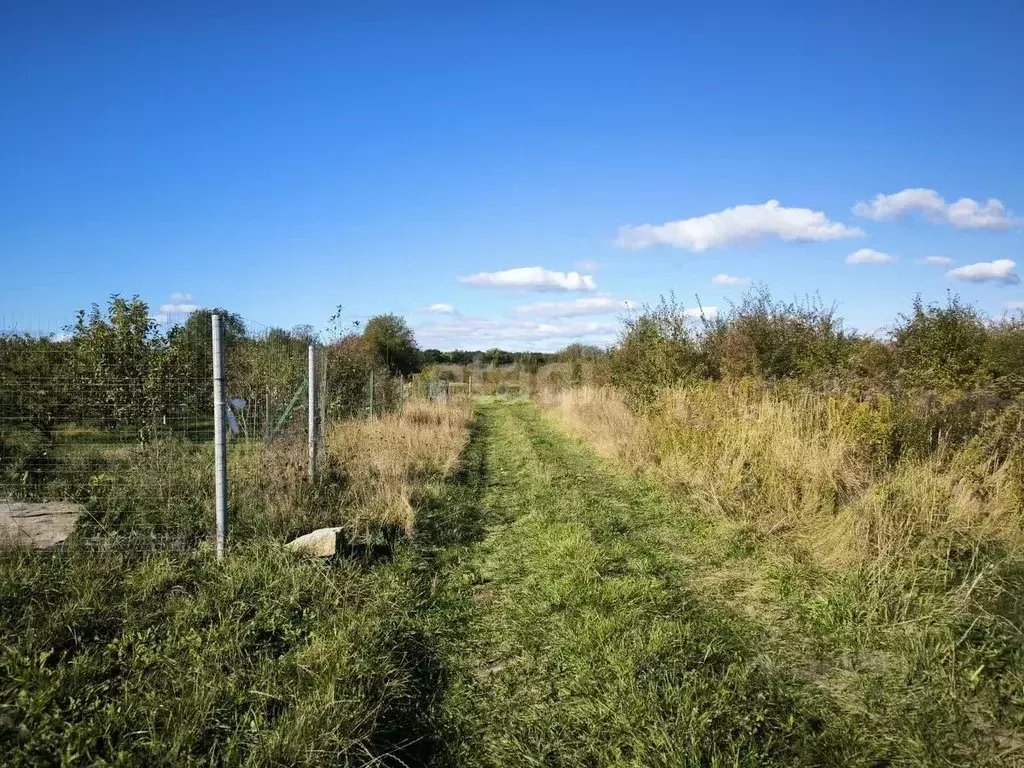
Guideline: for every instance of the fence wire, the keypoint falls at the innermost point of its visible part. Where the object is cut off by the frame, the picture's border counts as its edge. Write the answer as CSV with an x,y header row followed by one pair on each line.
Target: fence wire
x,y
106,426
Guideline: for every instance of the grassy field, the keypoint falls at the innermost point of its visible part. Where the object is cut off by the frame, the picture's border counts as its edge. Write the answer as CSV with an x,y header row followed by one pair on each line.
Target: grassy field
x,y
564,585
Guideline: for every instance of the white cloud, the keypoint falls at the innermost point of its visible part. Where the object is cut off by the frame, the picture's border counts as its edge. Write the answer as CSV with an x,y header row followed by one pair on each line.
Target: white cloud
x,y
999,271
590,305
1015,306
178,309
965,213
724,279
440,309
586,264
938,261
532,278
868,256
515,334
739,224
181,297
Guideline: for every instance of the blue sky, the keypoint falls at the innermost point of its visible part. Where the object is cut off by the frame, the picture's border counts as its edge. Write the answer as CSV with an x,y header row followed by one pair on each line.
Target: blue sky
x,y
280,160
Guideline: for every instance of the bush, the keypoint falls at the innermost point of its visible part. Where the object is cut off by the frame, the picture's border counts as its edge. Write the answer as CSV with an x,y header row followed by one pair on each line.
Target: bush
x,y
772,339
658,347
938,346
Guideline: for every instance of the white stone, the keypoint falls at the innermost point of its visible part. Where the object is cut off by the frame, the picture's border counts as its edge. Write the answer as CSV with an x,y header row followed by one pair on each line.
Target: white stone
x,y
322,542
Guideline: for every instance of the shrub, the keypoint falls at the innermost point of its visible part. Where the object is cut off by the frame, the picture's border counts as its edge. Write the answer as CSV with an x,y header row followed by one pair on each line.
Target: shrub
x,y
941,346
658,347
773,339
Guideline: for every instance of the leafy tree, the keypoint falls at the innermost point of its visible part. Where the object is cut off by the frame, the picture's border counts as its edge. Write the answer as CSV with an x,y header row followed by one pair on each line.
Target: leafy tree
x,y
183,370
112,356
35,387
391,341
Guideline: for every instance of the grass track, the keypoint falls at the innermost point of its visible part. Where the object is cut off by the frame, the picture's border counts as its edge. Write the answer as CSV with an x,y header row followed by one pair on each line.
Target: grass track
x,y
571,636
550,610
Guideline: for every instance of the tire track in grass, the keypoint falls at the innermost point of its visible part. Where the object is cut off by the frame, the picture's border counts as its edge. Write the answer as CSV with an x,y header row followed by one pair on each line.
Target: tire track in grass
x,y
578,641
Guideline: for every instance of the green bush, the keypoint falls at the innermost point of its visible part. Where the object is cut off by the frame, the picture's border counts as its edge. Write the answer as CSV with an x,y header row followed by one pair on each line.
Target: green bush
x,y
941,346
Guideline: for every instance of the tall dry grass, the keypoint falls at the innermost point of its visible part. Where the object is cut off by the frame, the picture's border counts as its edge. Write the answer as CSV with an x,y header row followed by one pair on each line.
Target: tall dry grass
x,y
787,461
387,460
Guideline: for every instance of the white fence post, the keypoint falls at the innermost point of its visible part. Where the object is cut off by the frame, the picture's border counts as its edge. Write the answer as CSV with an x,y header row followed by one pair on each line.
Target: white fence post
x,y
220,467
311,427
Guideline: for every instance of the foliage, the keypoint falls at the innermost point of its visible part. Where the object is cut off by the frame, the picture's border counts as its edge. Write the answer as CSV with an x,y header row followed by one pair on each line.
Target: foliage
x,y
112,354
941,346
658,347
390,341
773,339
492,357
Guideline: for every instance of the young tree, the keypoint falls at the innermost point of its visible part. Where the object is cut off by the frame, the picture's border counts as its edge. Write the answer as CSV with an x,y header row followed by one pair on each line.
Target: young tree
x,y
112,356
390,339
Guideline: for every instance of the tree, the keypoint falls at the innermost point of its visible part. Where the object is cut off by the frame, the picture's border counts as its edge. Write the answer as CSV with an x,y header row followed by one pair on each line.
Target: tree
x,y
35,387
183,371
391,341
112,357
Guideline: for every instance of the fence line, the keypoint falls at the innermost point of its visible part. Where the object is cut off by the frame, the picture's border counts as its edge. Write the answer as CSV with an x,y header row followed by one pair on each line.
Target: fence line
x,y
110,425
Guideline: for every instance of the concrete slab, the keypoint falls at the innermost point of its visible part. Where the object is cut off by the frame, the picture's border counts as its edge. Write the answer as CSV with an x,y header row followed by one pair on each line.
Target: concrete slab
x,y
38,524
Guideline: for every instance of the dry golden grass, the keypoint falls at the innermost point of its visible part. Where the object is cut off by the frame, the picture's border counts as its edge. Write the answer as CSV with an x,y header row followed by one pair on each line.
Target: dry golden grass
x,y
387,459
799,464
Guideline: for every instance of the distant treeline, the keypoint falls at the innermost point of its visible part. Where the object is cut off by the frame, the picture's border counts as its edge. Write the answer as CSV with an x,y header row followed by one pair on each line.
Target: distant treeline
x,y
501,357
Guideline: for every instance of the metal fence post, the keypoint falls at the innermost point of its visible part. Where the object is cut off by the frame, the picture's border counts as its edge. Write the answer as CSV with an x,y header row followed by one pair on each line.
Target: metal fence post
x,y
311,427
220,467
266,416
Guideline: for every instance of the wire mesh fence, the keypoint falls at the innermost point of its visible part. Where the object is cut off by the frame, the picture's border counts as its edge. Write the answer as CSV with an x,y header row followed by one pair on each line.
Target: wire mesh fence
x,y
107,425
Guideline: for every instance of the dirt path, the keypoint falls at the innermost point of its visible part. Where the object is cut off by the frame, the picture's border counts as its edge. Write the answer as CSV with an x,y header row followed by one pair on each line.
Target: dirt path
x,y
580,641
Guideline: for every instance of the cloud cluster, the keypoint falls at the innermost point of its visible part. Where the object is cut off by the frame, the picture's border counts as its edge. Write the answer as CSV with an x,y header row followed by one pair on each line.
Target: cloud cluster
x,y
724,279
998,271
440,309
1015,306
179,304
965,213
532,278
517,334
868,256
937,261
742,223
589,305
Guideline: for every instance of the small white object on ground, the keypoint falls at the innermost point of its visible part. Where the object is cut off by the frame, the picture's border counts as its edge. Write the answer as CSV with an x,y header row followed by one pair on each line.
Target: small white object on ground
x,y
322,542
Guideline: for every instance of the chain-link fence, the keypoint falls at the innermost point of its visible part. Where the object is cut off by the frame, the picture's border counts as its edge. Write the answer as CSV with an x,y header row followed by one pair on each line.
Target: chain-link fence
x,y
107,426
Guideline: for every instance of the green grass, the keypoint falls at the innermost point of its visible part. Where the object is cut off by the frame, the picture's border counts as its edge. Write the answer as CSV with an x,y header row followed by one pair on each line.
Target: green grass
x,y
609,622
584,643
549,610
